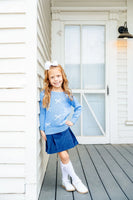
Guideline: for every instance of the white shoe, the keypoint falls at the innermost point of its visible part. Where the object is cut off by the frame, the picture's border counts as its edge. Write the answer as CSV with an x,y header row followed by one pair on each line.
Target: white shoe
x,y
80,187
68,186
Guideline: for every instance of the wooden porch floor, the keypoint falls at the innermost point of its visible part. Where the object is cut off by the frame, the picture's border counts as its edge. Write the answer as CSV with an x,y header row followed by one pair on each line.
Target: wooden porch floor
x,y
107,170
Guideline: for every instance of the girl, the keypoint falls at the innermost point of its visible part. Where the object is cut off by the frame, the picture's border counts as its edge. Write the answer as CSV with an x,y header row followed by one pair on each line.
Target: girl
x,y
55,106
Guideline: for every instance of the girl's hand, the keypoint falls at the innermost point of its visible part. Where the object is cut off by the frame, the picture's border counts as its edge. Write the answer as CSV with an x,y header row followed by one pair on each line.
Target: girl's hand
x,y
43,135
69,123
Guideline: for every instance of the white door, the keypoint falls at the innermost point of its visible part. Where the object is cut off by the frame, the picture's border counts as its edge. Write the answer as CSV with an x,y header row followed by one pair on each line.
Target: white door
x,y
85,66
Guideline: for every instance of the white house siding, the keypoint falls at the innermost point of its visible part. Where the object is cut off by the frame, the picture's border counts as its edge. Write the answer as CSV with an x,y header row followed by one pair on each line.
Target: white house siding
x,y
24,47
122,85
12,99
43,54
124,131
130,62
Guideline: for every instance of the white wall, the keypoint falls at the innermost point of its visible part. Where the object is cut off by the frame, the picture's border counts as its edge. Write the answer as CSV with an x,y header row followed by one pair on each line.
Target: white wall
x,y
43,54
24,47
12,99
130,62
124,82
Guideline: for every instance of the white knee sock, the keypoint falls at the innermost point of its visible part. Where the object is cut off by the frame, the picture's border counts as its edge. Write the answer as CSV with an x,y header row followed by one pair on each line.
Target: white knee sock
x,y
69,170
64,173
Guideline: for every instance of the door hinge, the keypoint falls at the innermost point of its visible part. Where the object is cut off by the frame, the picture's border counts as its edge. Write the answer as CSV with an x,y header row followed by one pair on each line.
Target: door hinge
x,y
107,90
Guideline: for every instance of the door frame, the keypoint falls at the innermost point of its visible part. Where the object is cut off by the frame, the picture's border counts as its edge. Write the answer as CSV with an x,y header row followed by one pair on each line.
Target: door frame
x,y
104,17
91,139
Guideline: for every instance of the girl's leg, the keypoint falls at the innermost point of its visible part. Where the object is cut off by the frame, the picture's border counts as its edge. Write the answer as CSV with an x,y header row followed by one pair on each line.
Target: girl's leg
x,y
67,167
65,181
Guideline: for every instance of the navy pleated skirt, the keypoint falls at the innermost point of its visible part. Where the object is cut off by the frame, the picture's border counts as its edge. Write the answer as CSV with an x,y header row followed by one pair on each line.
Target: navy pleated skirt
x,y
60,141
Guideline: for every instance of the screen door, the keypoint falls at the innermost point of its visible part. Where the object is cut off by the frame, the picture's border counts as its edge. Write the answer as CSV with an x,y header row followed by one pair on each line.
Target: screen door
x,y
86,72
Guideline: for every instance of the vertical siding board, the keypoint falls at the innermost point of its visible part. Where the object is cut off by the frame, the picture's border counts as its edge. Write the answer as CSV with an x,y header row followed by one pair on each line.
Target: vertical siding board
x,y
31,103
42,49
122,86
45,6
44,12
43,54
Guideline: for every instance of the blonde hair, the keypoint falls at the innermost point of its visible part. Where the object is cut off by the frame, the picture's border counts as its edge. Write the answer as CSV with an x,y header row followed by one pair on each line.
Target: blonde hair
x,y
48,87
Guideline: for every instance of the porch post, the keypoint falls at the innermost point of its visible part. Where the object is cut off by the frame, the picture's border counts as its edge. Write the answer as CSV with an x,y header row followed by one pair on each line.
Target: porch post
x,y
31,103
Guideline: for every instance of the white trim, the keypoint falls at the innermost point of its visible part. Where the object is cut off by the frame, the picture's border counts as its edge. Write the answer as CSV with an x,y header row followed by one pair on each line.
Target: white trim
x,y
130,63
109,20
130,78
92,139
88,91
105,138
112,66
31,103
129,123
107,96
87,8
81,78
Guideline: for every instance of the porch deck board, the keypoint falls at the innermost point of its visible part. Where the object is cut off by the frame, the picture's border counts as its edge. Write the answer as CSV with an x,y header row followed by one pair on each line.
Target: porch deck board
x,y
60,192
49,183
107,179
107,170
93,179
79,170
129,148
125,153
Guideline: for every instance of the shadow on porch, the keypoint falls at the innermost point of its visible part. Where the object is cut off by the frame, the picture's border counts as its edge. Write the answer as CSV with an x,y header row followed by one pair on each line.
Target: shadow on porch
x,y
107,170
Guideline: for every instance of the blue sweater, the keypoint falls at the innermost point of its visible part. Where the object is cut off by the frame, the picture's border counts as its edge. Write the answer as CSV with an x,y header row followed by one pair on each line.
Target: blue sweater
x,y
53,120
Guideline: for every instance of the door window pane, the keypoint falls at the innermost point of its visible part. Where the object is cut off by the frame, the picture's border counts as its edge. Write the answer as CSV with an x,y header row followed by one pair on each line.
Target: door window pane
x,y
72,55
93,57
97,104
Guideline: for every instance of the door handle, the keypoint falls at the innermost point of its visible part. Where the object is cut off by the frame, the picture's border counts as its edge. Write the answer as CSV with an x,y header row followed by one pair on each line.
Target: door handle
x,y
107,90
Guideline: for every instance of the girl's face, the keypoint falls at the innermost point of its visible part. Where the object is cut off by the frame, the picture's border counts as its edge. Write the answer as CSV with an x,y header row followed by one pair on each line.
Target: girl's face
x,y
55,77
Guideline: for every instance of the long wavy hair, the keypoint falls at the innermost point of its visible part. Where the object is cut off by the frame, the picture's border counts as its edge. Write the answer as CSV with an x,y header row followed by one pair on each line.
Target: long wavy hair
x,y
48,87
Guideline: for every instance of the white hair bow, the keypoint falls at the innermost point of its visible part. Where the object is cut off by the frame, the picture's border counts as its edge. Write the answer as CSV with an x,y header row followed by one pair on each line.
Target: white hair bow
x,y
48,64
